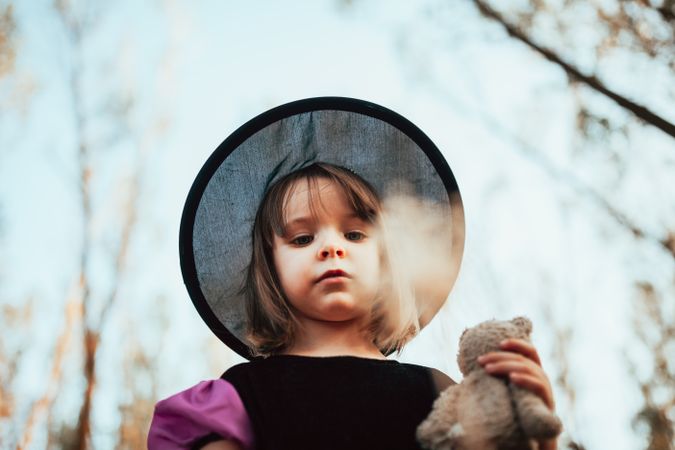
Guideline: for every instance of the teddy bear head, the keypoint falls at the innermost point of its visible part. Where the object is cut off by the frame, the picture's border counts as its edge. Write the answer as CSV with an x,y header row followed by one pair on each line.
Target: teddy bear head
x,y
485,337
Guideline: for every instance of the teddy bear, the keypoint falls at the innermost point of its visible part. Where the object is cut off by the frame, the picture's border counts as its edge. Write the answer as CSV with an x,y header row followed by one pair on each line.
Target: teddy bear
x,y
485,411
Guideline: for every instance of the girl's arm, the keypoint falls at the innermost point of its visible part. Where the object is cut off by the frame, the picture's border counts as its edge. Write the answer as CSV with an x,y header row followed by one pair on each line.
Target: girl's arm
x,y
520,362
222,445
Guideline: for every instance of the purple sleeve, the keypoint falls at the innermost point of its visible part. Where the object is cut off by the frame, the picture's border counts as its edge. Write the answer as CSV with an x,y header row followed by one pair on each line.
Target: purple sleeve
x,y
209,407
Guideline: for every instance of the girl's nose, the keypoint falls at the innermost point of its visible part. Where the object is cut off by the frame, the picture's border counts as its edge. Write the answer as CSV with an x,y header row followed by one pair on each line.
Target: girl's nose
x,y
331,251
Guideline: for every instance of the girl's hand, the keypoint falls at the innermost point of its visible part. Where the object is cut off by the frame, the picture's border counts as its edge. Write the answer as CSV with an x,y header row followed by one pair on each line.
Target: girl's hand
x,y
519,361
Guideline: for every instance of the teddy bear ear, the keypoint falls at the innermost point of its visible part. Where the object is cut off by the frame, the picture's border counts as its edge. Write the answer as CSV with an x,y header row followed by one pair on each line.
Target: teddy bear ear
x,y
523,323
463,333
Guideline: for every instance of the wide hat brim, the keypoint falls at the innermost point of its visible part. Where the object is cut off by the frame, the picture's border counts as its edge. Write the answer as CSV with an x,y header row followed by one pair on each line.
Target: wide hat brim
x,y
379,145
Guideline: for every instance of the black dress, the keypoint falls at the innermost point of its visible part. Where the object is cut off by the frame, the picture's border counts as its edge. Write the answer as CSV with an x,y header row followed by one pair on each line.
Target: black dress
x,y
341,402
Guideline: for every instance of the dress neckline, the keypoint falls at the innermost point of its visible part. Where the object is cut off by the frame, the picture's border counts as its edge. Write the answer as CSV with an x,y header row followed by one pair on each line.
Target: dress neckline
x,y
330,358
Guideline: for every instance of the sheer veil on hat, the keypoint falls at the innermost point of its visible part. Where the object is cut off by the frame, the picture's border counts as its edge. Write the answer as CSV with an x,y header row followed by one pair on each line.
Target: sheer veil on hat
x,y
377,144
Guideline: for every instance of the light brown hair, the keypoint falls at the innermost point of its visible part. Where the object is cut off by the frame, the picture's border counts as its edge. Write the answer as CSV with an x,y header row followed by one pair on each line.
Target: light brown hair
x,y
271,322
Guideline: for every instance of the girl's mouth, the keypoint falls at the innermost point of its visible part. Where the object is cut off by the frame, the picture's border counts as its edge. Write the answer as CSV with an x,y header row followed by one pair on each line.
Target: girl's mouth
x,y
330,274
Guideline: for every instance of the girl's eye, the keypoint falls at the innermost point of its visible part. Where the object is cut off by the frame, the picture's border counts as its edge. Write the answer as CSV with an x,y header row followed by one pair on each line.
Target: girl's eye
x,y
354,236
302,240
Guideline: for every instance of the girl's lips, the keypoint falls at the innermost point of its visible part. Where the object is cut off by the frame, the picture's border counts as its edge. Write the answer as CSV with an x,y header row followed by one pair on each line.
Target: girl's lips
x,y
332,280
333,274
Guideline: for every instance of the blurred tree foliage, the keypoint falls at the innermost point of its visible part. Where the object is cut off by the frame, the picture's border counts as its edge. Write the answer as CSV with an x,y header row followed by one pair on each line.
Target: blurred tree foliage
x,y
655,328
637,39
88,304
640,28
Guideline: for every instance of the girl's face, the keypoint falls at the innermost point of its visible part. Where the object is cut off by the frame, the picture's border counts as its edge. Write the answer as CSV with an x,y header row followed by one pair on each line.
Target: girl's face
x,y
328,261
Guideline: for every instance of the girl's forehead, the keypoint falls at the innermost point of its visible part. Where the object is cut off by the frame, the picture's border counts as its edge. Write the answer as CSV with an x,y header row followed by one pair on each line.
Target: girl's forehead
x,y
311,198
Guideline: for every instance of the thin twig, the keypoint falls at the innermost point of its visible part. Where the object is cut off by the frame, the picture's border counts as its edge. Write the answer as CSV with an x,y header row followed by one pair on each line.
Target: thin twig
x,y
639,111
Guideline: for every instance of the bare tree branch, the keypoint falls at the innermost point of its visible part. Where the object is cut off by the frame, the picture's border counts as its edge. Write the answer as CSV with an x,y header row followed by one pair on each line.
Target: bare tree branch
x,y
74,27
15,320
131,211
73,316
94,320
563,176
667,10
655,330
639,111
136,412
561,356
90,338
7,45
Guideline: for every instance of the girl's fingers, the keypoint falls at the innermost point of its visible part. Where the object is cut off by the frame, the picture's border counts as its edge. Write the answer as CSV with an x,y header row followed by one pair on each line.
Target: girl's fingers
x,y
501,356
522,347
521,371
506,357
520,361
509,366
533,384
548,444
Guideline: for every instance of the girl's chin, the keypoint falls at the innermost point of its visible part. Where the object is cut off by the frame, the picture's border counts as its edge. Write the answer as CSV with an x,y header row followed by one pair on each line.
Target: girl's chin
x,y
338,308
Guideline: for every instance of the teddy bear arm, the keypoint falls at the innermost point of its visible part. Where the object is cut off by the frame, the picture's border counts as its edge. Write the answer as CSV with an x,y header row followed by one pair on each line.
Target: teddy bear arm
x,y
441,429
536,419
488,417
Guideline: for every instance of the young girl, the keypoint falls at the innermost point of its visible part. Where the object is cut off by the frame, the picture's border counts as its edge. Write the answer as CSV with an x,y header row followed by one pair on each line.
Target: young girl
x,y
323,311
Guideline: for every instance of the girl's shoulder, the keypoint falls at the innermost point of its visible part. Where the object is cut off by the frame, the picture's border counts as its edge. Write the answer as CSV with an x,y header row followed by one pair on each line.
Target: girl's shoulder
x,y
440,380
